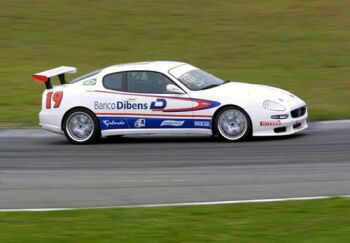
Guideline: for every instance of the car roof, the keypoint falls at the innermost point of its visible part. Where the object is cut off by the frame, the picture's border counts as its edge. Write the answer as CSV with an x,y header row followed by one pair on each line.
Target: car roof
x,y
157,66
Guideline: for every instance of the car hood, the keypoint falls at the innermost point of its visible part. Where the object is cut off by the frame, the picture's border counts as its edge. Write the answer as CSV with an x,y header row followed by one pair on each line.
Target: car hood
x,y
259,92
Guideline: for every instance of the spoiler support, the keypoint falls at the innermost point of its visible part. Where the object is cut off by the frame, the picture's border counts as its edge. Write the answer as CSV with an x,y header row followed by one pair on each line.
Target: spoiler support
x,y
45,76
48,84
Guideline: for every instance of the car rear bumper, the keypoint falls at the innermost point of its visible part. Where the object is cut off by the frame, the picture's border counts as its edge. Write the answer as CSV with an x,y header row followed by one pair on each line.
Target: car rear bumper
x,y
50,121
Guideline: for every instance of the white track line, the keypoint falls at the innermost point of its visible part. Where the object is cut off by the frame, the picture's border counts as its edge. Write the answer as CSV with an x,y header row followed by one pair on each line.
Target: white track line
x,y
178,204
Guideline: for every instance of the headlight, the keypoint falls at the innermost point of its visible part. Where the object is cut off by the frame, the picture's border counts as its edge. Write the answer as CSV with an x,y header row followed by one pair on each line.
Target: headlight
x,y
273,106
279,117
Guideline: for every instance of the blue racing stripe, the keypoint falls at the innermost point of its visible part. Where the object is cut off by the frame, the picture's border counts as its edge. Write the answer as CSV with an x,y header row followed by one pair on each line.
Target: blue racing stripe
x,y
112,122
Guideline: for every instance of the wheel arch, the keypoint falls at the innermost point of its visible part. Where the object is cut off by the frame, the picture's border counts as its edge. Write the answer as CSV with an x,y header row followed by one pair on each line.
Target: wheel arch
x,y
213,130
74,108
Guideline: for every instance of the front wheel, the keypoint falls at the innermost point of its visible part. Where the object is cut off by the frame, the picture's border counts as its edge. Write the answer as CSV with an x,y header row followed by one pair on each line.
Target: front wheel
x,y
233,124
80,126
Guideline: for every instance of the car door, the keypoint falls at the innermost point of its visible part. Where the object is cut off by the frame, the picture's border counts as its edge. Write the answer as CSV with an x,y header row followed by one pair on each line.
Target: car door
x,y
151,106
109,106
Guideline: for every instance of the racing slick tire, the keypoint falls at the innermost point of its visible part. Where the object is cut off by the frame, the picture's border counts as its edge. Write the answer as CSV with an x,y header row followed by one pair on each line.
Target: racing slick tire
x,y
80,126
233,124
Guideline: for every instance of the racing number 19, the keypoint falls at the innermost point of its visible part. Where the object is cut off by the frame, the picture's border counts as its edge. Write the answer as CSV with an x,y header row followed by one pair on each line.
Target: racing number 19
x,y
56,97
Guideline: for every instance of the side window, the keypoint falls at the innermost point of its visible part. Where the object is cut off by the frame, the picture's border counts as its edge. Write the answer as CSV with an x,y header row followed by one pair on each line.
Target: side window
x,y
113,81
147,82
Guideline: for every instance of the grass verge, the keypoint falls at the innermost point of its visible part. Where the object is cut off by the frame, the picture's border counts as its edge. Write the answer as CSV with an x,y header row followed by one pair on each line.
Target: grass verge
x,y
294,221
301,46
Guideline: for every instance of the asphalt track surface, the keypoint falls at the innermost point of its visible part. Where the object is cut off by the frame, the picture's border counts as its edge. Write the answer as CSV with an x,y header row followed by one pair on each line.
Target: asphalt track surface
x,y
41,170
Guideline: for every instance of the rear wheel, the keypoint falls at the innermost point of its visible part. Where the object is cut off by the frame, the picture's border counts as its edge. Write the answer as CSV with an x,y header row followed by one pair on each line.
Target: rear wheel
x,y
81,126
233,124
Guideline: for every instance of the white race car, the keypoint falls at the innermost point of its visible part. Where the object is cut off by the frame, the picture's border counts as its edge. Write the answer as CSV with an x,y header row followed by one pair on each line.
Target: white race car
x,y
164,97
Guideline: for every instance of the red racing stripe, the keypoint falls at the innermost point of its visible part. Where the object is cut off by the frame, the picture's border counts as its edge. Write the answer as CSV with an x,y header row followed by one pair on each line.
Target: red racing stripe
x,y
200,104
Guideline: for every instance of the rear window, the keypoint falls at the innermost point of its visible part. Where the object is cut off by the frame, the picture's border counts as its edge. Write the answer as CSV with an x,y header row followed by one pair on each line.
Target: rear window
x,y
114,81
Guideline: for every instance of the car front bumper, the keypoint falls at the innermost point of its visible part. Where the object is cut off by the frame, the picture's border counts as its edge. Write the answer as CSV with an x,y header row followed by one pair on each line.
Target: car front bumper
x,y
266,126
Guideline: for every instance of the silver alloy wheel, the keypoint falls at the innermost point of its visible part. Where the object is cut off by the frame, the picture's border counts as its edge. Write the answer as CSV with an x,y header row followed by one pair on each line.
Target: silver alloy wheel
x,y
80,126
232,124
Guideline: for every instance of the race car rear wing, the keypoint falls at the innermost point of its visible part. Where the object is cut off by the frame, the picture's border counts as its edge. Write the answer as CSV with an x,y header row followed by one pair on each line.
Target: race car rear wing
x,y
45,76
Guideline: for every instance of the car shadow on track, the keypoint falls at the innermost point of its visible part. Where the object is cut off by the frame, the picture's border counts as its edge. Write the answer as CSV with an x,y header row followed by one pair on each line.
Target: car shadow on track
x,y
156,139
187,139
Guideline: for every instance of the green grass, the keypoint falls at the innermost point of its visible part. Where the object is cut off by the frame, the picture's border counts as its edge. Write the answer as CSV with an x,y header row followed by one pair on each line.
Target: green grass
x,y
299,221
299,45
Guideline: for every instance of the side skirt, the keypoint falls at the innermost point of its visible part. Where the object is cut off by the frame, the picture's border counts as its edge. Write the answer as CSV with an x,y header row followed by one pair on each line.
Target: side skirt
x,y
112,132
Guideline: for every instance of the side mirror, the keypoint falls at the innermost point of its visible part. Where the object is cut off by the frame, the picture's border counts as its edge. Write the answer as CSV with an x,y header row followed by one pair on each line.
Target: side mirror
x,y
174,89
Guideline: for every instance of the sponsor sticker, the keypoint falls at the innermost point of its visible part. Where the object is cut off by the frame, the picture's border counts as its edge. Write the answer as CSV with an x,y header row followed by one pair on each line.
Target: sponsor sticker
x,y
140,123
90,82
109,123
202,123
270,123
120,105
158,104
192,79
172,123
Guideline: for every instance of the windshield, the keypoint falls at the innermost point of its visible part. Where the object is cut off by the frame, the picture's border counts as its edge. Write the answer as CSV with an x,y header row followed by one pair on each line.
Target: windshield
x,y
197,79
88,75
